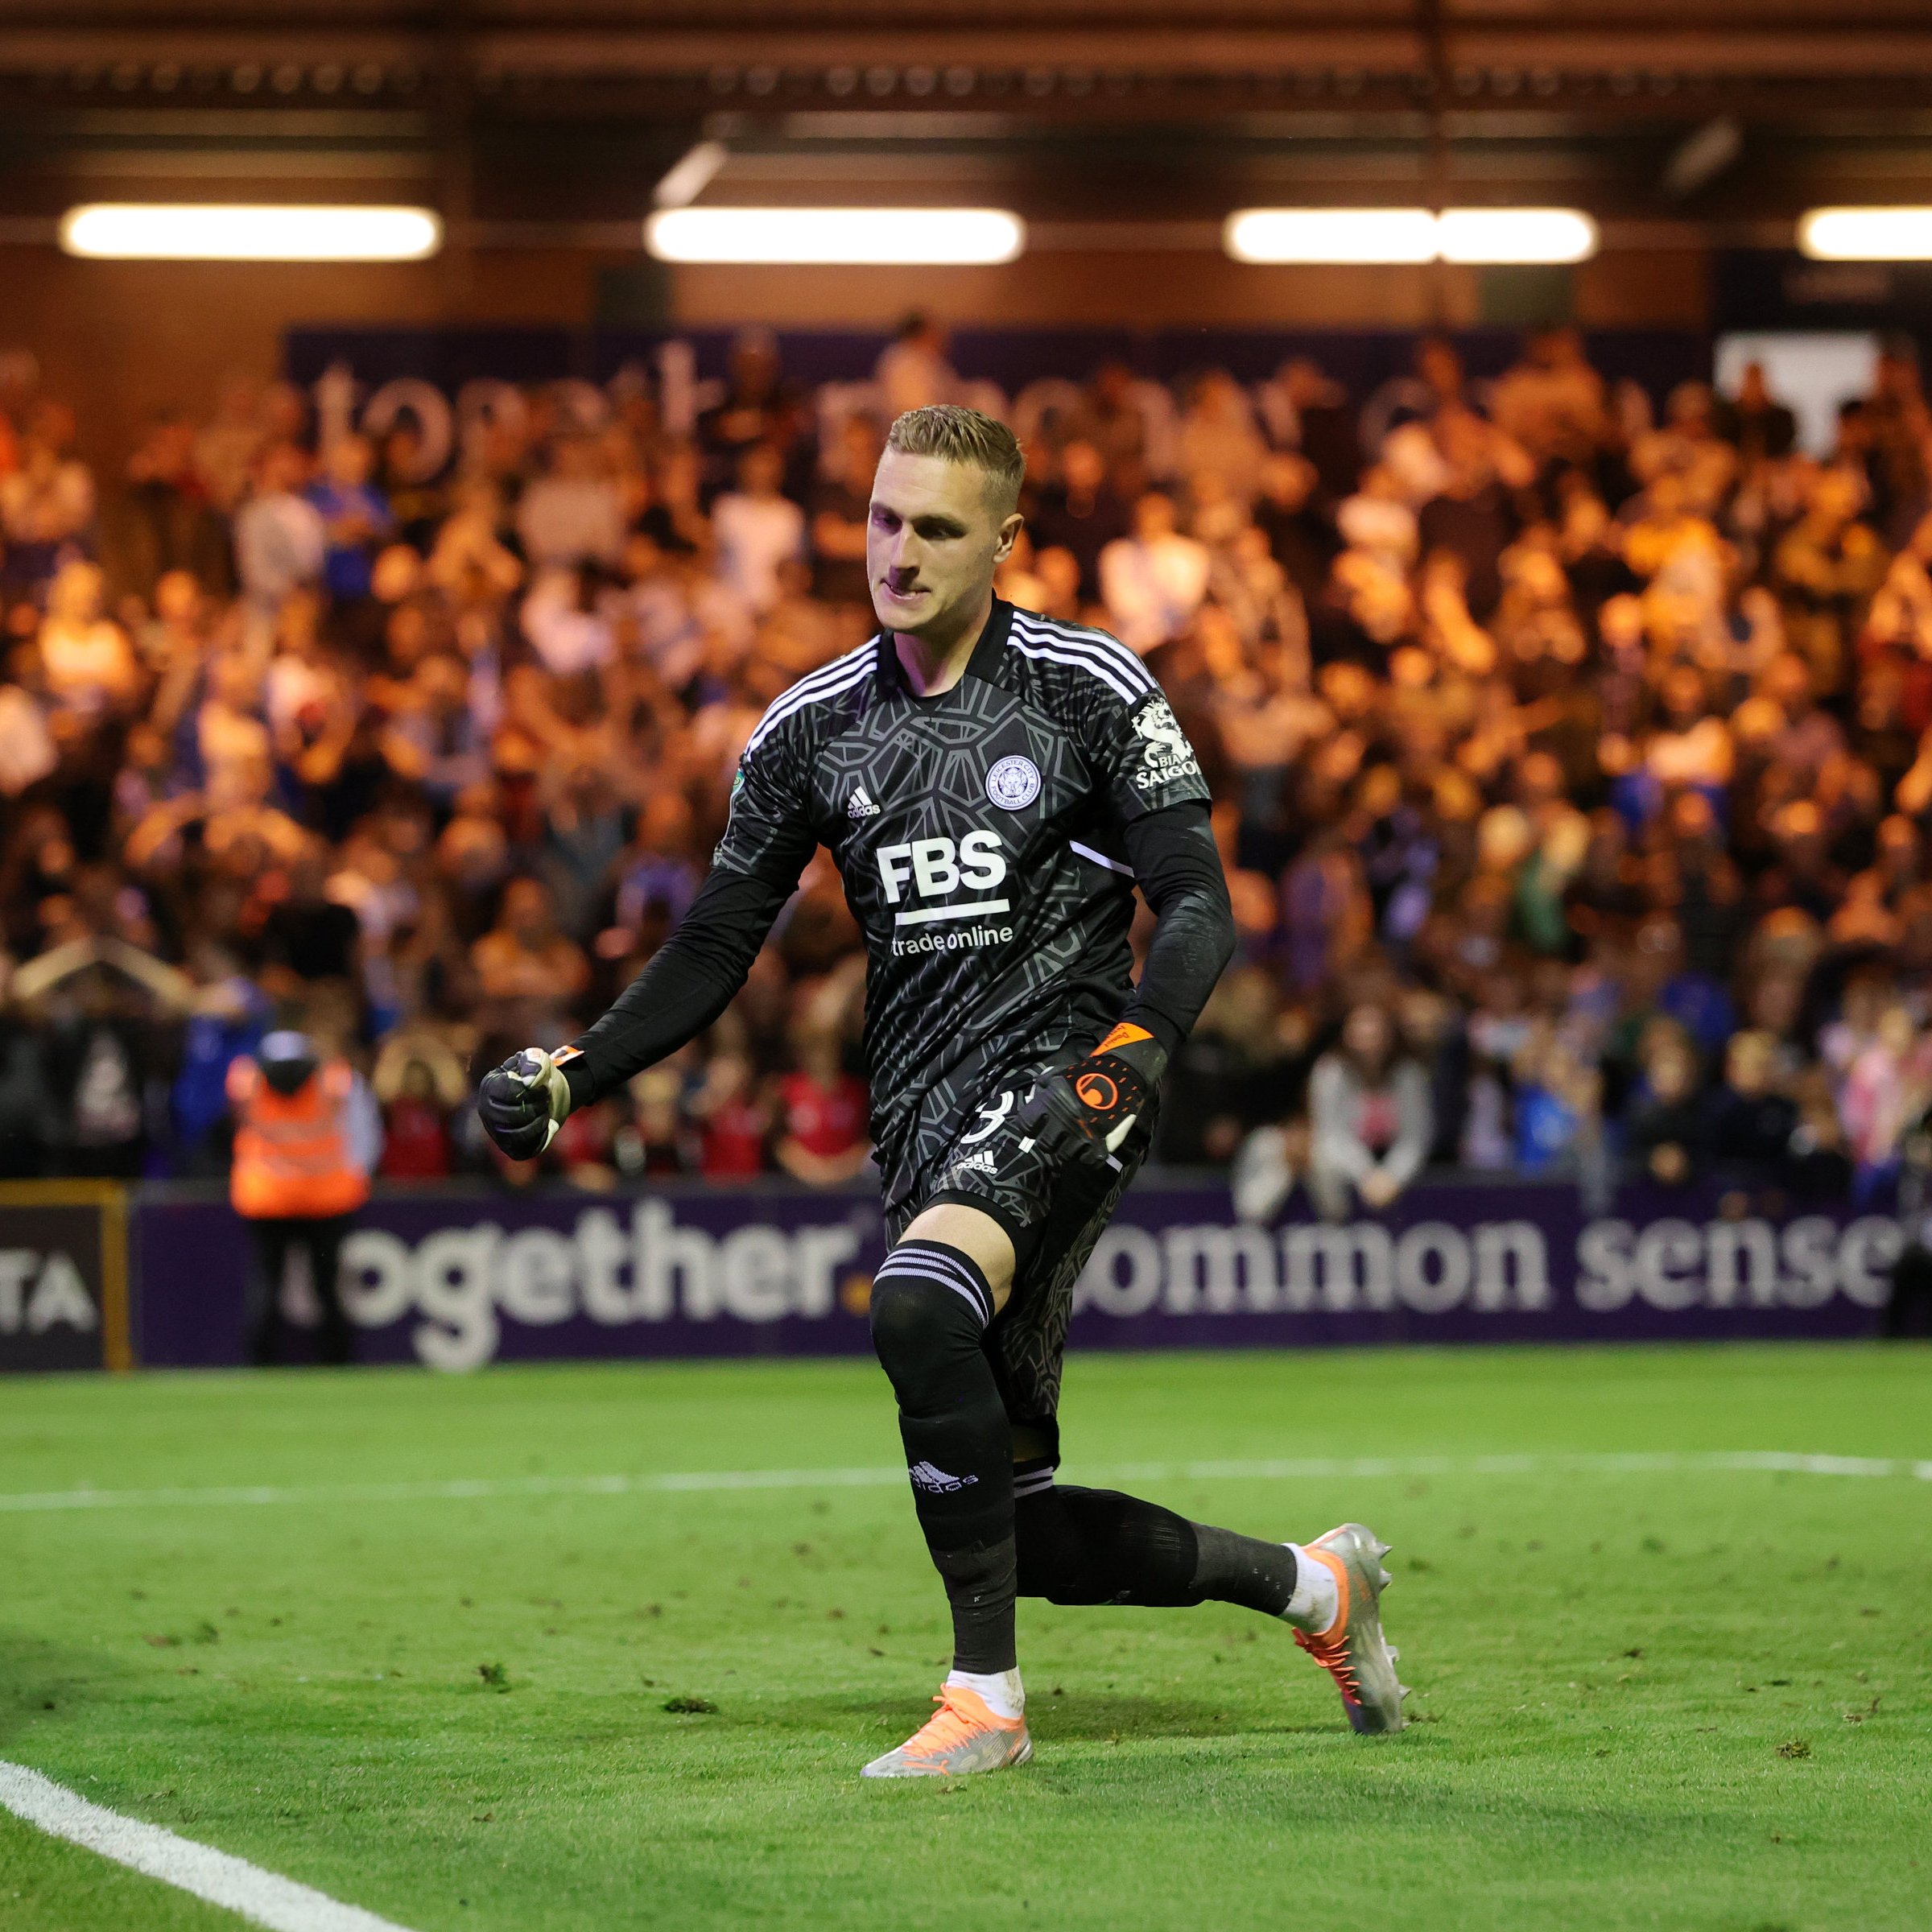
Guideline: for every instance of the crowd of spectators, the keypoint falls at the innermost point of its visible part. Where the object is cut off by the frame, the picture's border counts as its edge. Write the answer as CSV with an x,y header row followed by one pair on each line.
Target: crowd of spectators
x,y
1573,762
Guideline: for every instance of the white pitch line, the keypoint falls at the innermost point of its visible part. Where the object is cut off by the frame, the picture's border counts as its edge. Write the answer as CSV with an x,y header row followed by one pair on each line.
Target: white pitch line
x,y
263,1898
1782,1462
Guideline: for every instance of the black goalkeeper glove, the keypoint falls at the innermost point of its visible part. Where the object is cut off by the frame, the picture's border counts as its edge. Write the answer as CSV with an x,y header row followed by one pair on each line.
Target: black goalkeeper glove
x,y
523,1103
1087,1110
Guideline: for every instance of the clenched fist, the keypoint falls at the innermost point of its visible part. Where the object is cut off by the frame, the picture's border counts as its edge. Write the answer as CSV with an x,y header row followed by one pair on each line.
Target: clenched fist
x,y
524,1102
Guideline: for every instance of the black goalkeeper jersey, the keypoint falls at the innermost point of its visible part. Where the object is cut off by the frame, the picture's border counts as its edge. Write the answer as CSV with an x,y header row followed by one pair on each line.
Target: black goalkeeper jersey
x,y
982,836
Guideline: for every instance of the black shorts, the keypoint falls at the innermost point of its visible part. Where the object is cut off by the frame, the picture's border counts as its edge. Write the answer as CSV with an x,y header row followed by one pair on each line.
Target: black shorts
x,y
1054,1211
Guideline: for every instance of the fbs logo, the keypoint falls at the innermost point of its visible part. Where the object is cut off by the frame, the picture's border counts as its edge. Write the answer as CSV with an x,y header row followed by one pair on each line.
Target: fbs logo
x,y
936,1481
934,868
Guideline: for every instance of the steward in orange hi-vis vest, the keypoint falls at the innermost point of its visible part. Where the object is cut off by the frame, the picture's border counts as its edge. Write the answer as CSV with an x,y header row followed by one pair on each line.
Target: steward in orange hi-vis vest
x,y
295,1156
301,1170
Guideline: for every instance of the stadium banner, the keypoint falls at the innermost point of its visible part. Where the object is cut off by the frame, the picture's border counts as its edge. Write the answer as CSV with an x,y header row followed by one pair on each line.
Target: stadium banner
x,y
457,1280
63,1275
450,380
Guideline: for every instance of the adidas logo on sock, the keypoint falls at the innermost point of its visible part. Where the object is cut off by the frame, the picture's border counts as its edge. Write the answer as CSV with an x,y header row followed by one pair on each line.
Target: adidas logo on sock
x,y
935,1480
860,805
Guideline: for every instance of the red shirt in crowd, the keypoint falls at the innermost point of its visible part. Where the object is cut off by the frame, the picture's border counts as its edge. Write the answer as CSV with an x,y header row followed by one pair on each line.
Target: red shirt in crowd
x,y
415,1144
734,1139
824,1121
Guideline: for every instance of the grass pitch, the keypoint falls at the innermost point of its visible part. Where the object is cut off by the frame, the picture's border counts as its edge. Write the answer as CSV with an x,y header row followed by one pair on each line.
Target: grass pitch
x,y
1675,1697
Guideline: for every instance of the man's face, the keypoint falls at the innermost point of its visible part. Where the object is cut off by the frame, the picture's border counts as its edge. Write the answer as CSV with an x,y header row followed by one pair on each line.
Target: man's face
x,y
526,913
933,540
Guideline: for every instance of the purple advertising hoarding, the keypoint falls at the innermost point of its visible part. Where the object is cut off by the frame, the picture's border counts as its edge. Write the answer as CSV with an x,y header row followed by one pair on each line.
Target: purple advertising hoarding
x,y
457,1280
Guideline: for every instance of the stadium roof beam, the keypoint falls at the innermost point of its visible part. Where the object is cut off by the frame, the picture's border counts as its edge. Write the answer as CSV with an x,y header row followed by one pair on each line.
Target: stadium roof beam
x,y
1080,53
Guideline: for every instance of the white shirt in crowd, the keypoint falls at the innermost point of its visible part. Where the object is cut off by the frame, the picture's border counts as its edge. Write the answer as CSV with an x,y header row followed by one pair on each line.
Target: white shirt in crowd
x,y
1153,587
567,638
279,544
571,520
755,535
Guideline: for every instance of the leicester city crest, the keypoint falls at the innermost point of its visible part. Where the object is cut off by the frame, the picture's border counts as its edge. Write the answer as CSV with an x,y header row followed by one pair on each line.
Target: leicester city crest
x,y
1013,783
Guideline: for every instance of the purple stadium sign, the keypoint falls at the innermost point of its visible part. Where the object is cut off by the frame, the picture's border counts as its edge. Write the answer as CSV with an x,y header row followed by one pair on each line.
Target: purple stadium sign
x,y
455,1281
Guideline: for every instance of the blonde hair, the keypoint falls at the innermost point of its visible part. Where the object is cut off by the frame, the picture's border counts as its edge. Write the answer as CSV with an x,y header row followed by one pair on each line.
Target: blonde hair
x,y
955,433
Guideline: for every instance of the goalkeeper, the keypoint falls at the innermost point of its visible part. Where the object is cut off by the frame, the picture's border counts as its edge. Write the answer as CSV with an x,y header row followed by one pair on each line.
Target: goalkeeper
x,y
993,787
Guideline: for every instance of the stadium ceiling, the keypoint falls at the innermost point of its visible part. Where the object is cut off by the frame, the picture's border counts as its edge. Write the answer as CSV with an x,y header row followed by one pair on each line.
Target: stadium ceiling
x,y
515,111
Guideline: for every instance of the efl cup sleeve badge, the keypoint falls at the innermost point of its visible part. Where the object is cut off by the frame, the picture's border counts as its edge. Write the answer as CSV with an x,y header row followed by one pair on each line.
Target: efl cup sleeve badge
x,y
1013,783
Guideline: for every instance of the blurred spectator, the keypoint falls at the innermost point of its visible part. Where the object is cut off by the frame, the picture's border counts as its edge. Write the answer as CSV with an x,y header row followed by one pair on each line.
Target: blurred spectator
x,y
841,505
1888,1084
1080,512
758,529
573,515
759,406
47,497
1153,581
419,1083
1551,402
1751,1123
824,1139
355,516
86,661
280,537
224,450
1665,1125
1301,540
913,373
173,524
1219,439
1761,427
1558,1117
736,1117
524,961
1369,1116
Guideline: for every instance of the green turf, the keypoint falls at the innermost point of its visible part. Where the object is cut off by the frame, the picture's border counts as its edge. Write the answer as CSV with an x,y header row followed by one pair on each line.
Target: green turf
x,y
1687,1700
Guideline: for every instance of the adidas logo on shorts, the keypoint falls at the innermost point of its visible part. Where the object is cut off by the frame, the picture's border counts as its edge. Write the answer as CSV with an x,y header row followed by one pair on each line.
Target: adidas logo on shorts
x,y
936,1481
860,805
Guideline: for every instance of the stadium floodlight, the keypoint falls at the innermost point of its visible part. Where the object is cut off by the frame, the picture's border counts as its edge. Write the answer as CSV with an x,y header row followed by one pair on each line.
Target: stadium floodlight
x,y
1409,235
1866,234
833,237
1311,235
156,231
1513,235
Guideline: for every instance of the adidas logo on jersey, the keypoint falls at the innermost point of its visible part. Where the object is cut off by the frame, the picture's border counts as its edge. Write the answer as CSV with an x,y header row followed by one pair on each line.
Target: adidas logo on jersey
x,y
860,804
981,1159
927,1476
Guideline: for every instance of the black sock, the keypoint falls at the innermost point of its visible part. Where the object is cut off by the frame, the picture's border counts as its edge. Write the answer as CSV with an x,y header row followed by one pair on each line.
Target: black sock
x,y
930,1308
1233,1569
1098,1546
